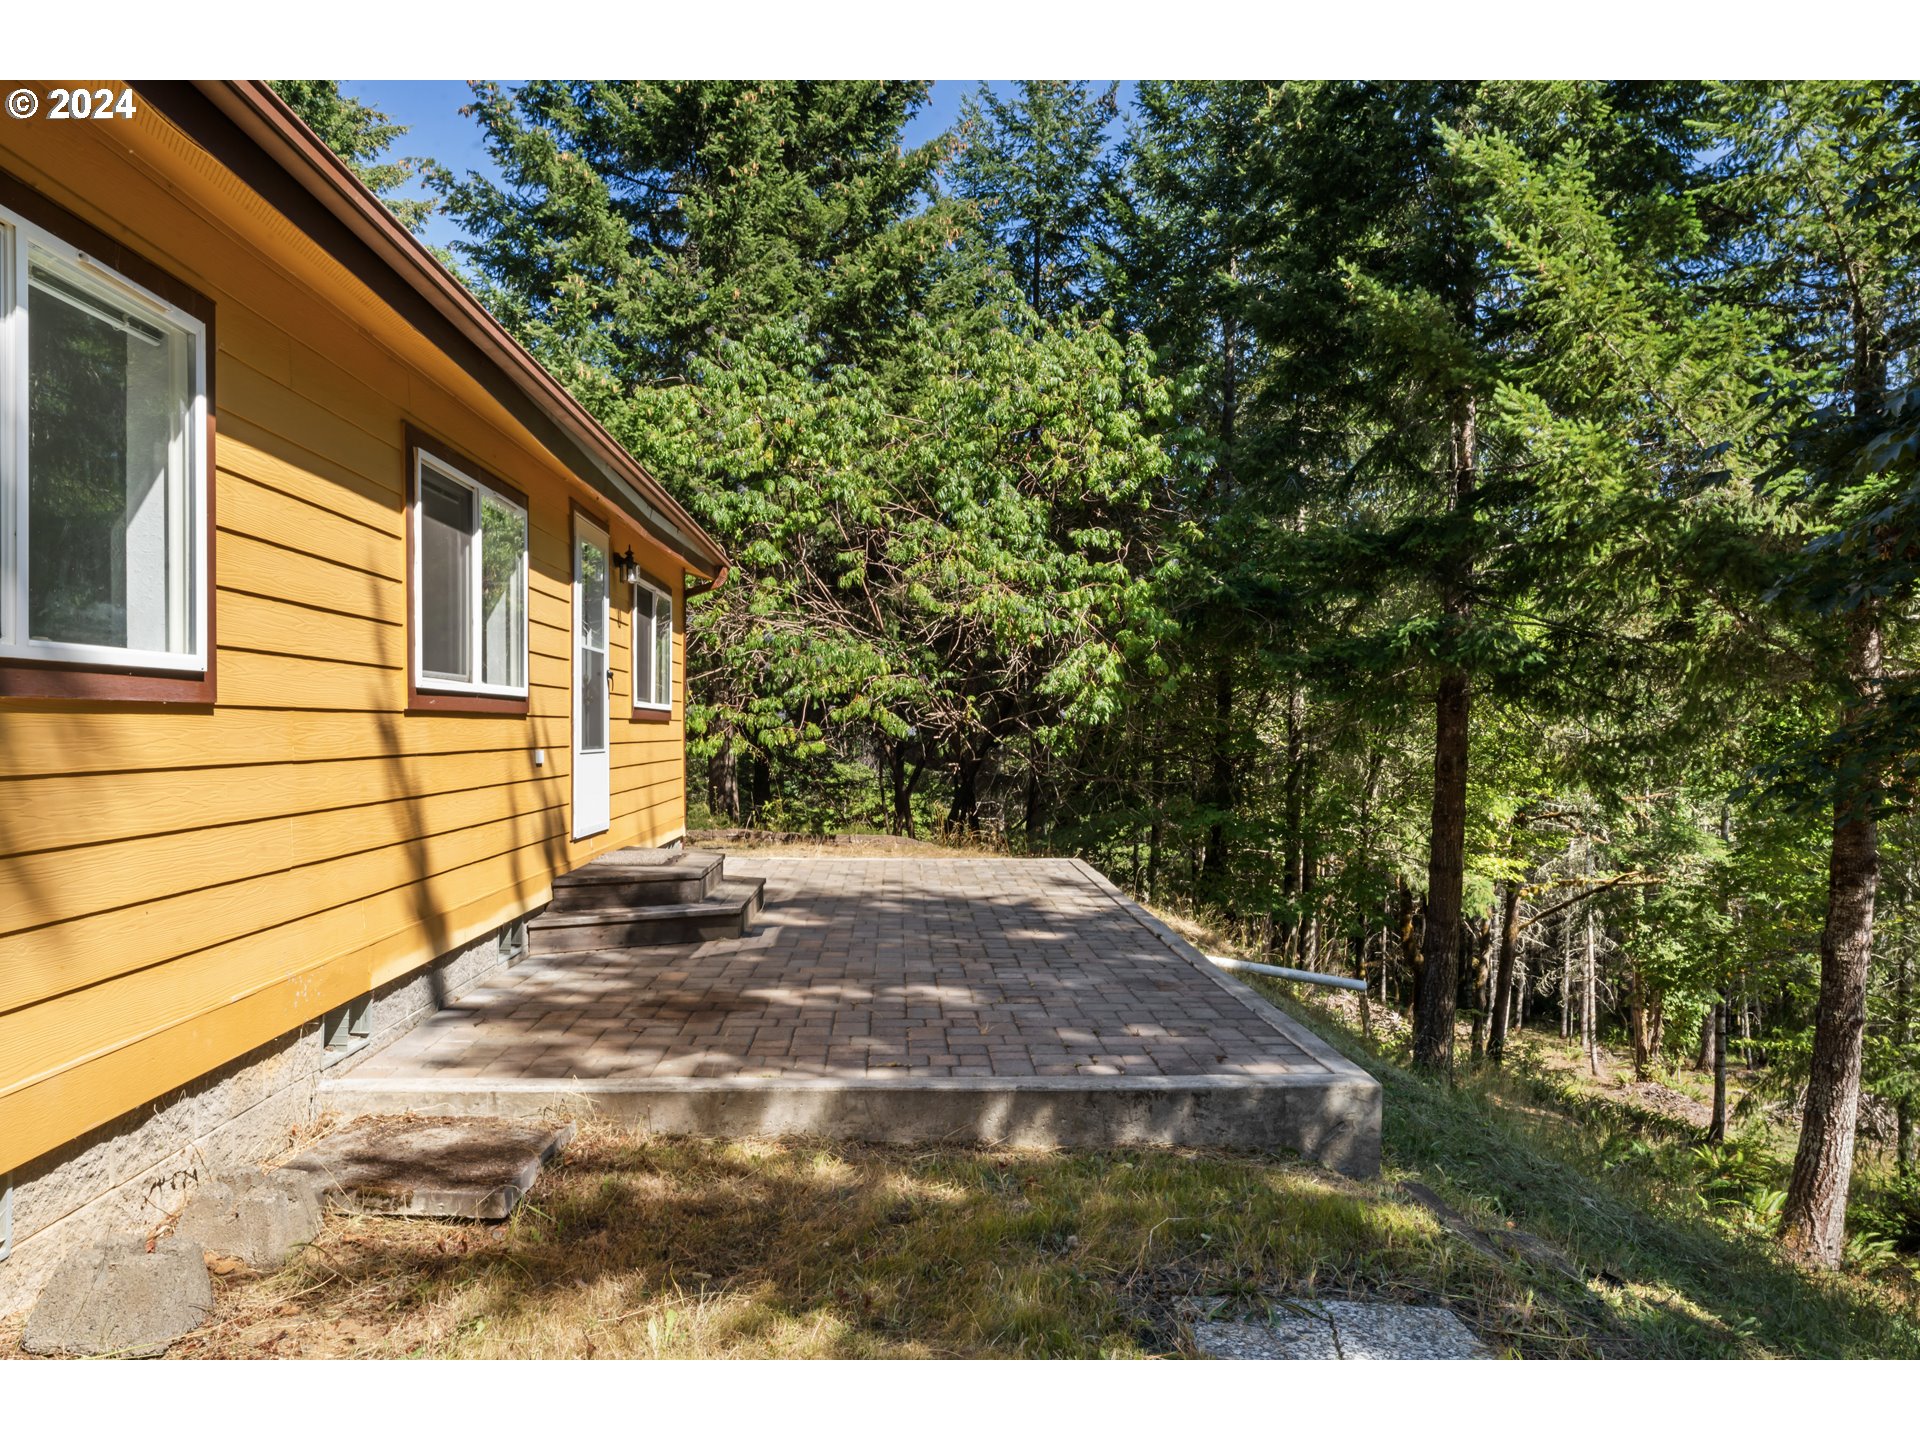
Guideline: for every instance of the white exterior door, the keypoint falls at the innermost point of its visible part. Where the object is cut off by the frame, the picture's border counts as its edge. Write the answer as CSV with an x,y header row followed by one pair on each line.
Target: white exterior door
x,y
592,682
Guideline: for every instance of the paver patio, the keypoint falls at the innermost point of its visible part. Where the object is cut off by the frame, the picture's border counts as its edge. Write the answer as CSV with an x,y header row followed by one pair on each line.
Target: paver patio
x,y
1024,1000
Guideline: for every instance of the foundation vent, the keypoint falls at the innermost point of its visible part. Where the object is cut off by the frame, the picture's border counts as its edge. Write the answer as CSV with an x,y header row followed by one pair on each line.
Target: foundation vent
x,y
347,1029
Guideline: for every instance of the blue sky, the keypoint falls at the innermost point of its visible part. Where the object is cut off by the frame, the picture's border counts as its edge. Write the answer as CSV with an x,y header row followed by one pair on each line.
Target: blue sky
x,y
431,108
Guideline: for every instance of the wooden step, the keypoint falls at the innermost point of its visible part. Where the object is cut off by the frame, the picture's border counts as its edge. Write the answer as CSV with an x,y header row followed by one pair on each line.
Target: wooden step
x,y
724,914
614,882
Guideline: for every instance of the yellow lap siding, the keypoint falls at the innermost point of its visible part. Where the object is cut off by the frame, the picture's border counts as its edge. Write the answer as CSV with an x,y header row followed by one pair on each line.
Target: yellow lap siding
x,y
304,524
99,879
256,622
237,948
250,565
123,740
73,810
185,884
36,1117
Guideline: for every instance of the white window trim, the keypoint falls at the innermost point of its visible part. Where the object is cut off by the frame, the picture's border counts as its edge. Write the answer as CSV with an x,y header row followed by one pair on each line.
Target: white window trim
x,y
435,684
16,237
634,621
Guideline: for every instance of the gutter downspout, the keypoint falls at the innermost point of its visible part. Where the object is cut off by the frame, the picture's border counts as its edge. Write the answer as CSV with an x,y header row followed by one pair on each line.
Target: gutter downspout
x,y
1281,972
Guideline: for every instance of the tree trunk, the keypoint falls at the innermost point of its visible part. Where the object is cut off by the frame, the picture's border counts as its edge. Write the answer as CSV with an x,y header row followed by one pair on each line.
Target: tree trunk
x,y
1813,1225
1589,1011
759,787
963,815
1219,798
1032,826
1359,945
900,822
1311,937
1503,973
1409,938
1566,976
1480,979
1293,856
1435,998
1903,1143
1434,1003
1637,1030
723,785
1717,1132
1156,775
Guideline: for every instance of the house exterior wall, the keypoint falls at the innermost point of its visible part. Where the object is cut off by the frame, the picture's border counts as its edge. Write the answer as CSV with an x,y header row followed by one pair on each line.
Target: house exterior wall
x,y
181,885
130,1174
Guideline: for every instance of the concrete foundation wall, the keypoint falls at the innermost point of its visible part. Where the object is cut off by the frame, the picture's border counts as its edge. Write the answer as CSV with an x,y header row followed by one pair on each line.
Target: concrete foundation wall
x,y
132,1173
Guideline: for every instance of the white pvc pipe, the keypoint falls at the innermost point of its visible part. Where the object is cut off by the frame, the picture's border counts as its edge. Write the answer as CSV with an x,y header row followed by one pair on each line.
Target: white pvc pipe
x,y
1281,972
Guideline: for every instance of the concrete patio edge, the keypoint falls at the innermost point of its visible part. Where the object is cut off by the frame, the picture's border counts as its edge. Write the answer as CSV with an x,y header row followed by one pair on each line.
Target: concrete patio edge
x,y
1328,1111
1334,1121
1319,1049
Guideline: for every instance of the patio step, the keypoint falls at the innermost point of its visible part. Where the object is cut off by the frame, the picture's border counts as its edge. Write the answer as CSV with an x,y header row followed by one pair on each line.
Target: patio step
x,y
723,914
638,877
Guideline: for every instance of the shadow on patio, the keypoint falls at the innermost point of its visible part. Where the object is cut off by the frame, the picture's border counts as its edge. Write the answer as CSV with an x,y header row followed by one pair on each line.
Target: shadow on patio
x,y
1018,1000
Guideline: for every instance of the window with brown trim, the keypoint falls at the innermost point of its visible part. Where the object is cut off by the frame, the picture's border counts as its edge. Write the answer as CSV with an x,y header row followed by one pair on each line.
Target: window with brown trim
x,y
467,561
652,650
106,531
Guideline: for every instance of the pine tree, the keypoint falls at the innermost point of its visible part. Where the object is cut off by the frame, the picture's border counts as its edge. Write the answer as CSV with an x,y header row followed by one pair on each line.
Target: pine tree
x,y
926,485
1790,272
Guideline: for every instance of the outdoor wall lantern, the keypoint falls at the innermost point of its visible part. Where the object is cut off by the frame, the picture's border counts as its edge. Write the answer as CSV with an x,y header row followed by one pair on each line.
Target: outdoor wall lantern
x,y
629,567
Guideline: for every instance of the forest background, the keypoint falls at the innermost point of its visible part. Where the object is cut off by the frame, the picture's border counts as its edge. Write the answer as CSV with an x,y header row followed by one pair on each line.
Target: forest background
x,y
1456,533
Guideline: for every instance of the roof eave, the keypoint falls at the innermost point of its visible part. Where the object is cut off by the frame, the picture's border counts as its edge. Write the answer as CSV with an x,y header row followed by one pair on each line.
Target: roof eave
x,y
272,125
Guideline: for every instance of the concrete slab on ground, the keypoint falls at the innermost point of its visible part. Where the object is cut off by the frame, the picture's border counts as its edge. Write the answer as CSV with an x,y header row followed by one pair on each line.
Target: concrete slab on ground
x,y
1294,1337
1368,1331
470,1167
259,1220
120,1298
1342,1330
1024,1002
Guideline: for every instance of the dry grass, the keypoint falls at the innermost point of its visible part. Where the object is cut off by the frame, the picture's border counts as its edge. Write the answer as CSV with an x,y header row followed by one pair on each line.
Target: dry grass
x,y
1676,1235
639,1247
634,1247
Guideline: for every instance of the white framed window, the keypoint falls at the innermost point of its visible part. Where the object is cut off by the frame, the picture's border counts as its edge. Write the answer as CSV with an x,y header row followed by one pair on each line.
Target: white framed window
x,y
103,463
652,647
469,583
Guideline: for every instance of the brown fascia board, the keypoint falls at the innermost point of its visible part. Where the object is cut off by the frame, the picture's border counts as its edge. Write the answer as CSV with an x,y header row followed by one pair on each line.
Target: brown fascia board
x,y
243,121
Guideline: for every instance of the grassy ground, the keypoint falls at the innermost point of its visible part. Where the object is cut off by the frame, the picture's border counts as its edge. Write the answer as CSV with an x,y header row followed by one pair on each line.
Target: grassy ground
x,y
633,1247
1675,1237
655,1247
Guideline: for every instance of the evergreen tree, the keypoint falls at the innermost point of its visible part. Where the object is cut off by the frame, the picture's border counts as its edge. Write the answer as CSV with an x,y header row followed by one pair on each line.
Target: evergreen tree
x,y
1035,167
644,228
1821,177
1196,225
636,220
360,135
925,483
